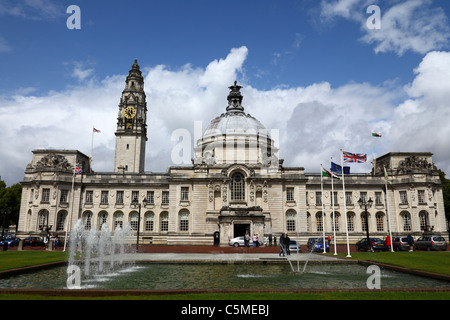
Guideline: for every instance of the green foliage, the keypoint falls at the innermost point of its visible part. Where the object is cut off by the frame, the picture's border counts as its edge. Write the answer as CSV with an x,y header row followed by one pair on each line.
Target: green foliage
x,y
446,192
10,198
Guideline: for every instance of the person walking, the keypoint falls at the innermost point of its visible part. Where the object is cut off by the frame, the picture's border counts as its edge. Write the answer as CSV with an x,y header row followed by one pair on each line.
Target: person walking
x,y
287,241
410,241
388,241
282,245
246,239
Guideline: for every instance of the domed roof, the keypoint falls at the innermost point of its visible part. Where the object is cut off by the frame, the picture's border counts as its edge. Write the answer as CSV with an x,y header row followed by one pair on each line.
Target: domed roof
x,y
235,120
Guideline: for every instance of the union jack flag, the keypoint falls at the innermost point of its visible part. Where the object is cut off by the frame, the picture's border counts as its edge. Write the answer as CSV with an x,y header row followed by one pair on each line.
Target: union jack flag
x,y
354,157
78,170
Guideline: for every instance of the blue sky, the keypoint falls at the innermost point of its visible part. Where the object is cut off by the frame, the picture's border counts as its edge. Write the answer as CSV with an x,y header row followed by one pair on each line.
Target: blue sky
x,y
301,58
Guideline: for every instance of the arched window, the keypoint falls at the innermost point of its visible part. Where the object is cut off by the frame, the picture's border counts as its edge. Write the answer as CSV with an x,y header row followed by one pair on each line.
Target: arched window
x,y
290,220
149,221
380,221
423,219
134,220
118,220
164,221
102,218
184,220
337,215
61,220
42,219
406,217
350,221
87,220
363,221
237,186
319,221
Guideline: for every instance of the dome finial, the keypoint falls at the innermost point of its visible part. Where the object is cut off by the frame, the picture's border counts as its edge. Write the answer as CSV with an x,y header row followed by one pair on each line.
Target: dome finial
x,y
235,98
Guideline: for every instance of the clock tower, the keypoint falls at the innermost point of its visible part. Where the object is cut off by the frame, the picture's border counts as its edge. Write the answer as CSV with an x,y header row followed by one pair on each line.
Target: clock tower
x,y
131,133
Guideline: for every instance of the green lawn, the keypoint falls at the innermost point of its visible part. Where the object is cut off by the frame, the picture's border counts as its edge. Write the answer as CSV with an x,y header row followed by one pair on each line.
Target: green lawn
x,y
19,259
438,262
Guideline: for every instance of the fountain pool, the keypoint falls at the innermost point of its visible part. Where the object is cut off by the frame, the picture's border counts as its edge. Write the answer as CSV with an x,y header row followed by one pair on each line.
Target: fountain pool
x,y
220,276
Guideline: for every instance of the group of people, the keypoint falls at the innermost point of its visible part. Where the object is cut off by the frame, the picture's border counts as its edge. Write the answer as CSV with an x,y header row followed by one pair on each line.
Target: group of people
x,y
55,241
267,240
284,245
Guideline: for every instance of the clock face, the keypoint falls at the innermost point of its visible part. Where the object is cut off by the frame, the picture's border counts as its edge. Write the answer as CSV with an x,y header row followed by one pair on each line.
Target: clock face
x,y
129,112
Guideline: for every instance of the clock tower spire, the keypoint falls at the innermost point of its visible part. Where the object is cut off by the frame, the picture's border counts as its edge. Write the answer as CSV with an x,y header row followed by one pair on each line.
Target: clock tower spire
x,y
131,133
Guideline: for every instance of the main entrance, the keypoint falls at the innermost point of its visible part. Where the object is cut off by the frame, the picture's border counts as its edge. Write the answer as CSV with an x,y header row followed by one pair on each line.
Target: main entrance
x,y
240,229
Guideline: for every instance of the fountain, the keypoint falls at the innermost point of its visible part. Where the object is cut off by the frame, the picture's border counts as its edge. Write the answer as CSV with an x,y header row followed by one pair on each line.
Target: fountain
x,y
94,249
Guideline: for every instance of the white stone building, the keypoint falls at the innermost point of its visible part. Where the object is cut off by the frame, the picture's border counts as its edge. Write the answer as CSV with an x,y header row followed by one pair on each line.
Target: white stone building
x,y
236,184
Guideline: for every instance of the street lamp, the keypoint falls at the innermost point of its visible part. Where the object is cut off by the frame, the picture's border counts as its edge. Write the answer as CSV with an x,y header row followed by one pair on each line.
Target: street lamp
x,y
366,205
135,202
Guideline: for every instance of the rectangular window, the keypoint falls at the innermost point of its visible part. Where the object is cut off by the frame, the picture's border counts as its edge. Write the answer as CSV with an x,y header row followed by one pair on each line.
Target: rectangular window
x,y
150,197
421,196
378,198
184,193
45,195
119,197
348,198
89,196
318,198
290,194
335,198
165,197
134,195
363,197
403,197
104,197
64,196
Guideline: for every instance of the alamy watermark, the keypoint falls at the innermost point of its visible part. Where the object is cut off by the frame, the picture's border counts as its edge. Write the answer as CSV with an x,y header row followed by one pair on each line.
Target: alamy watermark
x,y
74,20
374,280
374,21
73,277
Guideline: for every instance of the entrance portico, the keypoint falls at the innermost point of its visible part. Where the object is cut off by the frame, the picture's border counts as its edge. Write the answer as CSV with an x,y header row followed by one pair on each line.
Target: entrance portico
x,y
235,222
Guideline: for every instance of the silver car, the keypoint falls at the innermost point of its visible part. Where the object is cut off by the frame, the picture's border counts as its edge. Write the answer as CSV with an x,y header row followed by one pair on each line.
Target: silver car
x,y
294,246
240,242
431,242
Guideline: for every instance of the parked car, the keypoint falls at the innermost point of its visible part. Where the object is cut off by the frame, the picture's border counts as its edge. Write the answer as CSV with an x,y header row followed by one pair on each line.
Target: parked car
x,y
33,242
376,244
316,245
431,242
12,242
294,246
240,242
400,243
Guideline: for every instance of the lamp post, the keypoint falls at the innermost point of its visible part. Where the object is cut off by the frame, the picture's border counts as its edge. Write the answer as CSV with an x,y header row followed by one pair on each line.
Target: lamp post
x,y
366,205
135,202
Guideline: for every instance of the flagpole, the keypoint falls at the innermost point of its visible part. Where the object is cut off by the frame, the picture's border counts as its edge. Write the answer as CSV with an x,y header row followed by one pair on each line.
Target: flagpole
x,y
387,208
323,209
92,148
345,205
332,204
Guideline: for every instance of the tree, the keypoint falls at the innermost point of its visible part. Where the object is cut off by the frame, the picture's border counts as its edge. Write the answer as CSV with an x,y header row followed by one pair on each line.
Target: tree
x,y
10,198
446,193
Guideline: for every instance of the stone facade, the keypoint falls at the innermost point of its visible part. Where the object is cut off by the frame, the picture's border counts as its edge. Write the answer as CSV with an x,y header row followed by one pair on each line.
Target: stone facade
x,y
236,184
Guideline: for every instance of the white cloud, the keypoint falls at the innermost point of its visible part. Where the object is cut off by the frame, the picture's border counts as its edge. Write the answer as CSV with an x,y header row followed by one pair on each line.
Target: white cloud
x,y
32,9
314,121
411,25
